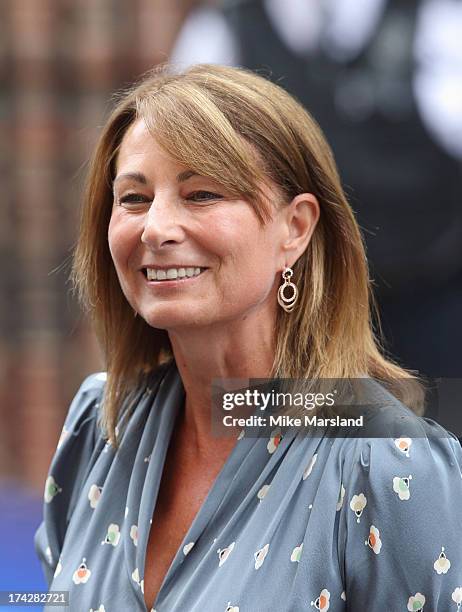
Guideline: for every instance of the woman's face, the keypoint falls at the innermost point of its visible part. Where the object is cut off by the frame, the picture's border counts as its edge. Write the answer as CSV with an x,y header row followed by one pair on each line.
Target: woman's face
x,y
168,224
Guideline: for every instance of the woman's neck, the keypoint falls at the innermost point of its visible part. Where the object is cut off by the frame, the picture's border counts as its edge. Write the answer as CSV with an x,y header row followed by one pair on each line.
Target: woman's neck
x,y
243,349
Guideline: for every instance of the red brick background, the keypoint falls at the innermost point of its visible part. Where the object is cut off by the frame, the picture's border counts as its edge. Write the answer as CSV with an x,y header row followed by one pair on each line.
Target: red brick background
x,y
60,61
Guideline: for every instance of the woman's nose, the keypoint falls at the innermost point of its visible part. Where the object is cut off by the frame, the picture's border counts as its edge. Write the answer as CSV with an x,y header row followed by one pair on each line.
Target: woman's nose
x,y
162,224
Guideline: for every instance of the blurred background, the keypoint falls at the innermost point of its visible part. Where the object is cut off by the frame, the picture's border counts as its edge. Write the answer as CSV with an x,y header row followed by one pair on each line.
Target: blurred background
x,y
383,79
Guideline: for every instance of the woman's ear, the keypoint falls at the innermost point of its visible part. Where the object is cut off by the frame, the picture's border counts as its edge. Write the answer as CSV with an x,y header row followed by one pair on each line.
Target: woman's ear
x,y
302,215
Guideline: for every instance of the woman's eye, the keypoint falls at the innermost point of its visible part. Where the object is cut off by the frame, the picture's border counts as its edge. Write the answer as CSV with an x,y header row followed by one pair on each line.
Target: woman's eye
x,y
203,196
196,196
133,198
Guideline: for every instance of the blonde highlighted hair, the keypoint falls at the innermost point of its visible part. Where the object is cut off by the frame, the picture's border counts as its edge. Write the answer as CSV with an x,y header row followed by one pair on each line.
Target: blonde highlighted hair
x,y
205,118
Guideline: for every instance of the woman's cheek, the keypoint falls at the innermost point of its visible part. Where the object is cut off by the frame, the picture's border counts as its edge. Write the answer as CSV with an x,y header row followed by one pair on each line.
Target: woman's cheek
x,y
122,238
228,235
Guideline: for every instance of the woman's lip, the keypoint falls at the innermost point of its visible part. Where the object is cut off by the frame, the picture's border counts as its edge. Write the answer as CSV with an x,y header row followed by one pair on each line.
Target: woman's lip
x,y
173,267
172,281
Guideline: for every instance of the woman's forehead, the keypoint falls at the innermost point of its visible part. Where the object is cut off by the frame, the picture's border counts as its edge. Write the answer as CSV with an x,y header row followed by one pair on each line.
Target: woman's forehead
x,y
140,147
137,137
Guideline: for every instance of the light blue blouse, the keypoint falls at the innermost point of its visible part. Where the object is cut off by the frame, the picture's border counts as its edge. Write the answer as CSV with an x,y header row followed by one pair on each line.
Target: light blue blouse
x,y
297,524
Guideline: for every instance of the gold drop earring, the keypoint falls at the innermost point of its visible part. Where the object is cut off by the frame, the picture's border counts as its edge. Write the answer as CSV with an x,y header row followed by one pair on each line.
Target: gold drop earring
x,y
287,303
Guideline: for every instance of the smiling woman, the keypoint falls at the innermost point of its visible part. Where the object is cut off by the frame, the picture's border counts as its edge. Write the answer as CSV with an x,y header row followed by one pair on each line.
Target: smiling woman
x,y
196,229
216,242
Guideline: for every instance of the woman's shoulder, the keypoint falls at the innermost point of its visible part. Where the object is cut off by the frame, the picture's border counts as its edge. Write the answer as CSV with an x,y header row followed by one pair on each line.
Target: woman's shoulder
x,y
84,408
394,434
95,381
88,402
402,506
83,431
90,388
80,431
70,463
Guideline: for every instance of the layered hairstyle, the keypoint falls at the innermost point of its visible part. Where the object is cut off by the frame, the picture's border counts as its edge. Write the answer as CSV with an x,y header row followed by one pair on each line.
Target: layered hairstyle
x,y
239,129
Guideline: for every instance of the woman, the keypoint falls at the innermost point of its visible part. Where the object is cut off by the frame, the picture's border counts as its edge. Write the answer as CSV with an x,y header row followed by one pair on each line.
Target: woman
x,y
205,188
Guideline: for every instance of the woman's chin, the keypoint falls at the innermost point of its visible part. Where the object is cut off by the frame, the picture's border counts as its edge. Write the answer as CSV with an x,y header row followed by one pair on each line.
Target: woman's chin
x,y
170,321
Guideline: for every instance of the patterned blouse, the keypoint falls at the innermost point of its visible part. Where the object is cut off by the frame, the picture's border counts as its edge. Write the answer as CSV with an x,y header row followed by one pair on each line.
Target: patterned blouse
x,y
291,523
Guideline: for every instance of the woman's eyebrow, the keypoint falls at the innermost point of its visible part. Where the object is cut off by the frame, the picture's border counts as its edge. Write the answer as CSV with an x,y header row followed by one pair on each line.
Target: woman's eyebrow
x,y
134,176
139,177
184,176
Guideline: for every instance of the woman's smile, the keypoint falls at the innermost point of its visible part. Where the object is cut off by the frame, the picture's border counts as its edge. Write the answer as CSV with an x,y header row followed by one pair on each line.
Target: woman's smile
x,y
172,276
172,229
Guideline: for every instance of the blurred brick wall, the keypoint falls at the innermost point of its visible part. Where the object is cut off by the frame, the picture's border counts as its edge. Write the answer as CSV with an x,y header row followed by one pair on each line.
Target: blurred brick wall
x,y
59,61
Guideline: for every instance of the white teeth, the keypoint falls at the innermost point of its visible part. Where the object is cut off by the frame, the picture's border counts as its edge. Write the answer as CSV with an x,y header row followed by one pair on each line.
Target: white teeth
x,y
172,273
